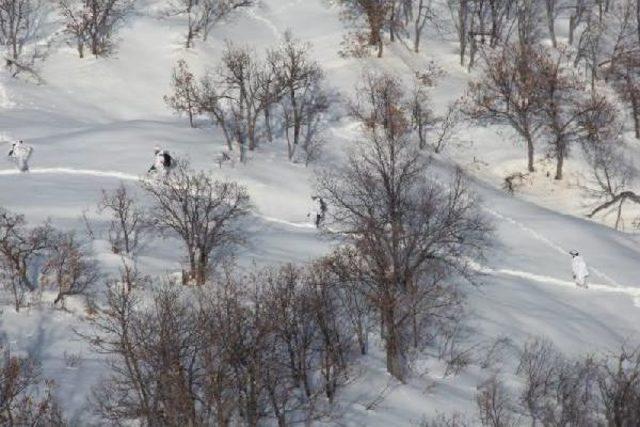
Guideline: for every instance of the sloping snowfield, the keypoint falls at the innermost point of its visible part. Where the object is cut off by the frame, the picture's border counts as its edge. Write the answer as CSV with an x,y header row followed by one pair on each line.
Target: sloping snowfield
x,y
95,122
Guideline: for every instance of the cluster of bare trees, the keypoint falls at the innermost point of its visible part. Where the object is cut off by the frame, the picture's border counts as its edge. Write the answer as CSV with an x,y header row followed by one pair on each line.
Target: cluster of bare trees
x,y
90,23
203,15
374,19
201,212
537,91
272,345
408,234
35,257
561,97
20,404
562,391
21,35
556,390
385,94
250,99
93,23
542,92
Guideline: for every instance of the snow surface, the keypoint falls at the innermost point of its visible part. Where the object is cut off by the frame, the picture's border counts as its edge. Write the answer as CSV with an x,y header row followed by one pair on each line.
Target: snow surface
x,y
95,122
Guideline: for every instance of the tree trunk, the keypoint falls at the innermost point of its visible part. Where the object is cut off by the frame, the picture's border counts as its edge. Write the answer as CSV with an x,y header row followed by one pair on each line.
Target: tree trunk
x,y
201,272
638,19
191,118
561,148
192,265
551,23
80,48
58,298
530,153
267,123
572,28
17,297
635,108
393,345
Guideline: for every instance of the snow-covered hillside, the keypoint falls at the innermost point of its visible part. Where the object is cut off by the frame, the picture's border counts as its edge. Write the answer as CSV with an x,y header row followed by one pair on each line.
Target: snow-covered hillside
x,y
94,123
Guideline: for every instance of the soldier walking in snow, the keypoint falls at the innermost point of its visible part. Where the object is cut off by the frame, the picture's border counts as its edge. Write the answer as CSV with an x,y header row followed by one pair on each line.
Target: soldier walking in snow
x,y
20,154
318,210
162,163
579,267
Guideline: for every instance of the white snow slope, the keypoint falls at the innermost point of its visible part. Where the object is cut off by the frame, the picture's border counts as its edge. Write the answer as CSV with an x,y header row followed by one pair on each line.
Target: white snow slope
x,y
95,122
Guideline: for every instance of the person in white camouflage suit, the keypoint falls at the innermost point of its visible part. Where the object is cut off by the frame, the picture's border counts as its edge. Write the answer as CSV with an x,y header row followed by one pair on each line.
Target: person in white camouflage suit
x,y
20,154
580,270
162,162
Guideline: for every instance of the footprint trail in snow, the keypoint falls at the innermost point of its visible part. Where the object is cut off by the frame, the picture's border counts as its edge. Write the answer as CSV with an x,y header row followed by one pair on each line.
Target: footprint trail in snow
x,y
614,287
69,171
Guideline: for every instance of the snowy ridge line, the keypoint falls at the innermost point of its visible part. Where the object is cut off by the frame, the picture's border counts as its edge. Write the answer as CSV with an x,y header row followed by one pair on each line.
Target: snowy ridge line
x,y
69,171
548,242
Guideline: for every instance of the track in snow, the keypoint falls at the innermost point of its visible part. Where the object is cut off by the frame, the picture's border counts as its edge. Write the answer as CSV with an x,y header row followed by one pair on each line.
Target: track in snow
x,y
634,293
69,171
613,288
549,243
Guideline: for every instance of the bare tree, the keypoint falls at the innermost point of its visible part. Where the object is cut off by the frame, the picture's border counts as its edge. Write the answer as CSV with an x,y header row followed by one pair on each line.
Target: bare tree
x,y
405,228
184,98
461,15
619,386
93,23
203,15
19,247
552,9
346,265
213,102
21,33
152,349
128,222
615,57
383,104
539,368
299,80
422,118
508,92
567,106
202,212
69,267
242,75
19,405
581,10
574,398
377,15
614,177
265,345
494,404
528,18
335,329
424,13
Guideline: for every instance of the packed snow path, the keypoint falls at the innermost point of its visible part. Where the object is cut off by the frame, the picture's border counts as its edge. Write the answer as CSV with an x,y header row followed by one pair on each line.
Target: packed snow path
x,y
613,286
69,171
